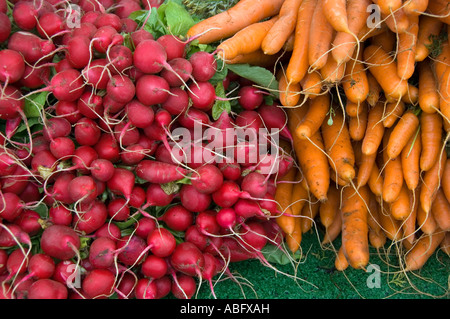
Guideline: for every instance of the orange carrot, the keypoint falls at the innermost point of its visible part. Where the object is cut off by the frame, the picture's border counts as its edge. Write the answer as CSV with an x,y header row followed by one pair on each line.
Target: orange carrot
x,y
446,179
376,180
329,208
320,36
394,110
401,133
373,218
392,172
365,167
355,83
352,109
338,146
400,207
384,68
431,137
288,46
344,43
245,41
341,262
440,8
278,34
387,40
334,230
432,181
227,23
391,227
428,89
425,221
388,6
357,124
441,210
445,244
374,130
289,93
286,220
308,214
415,7
412,95
354,226
444,98
397,21
336,13
373,95
300,194
257,58
409,224
410,161
314,117
311,84
423,249
298,62
428,27
294,239
310,156
406,49
332,72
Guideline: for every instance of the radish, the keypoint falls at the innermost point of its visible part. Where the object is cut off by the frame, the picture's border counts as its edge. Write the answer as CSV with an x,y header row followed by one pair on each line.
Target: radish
x,y
83,157
3,259
82,189
156,196
177,102
98,284
50,24
231,170
204,66
202,95
124,8
68,111
163,286
178,218
145,289
210,270
193,200
60,215
62,147
89,218
248,208
12,66
228,194
161,242
110,19
101,252
35,77
250,97
207,179
154,267
5,27
11,103
195,236
41,266
254,184
206,222
11,206
66,85
108,148
109,230
78,51
145,226
122,182
60,190
11,233
102,169
226,218
126,134
47,289
159,172
29,222
173,45
180,73
121,58
120,88
138,197
125,286
56,127
105,37
60,242
152,89
188,259
17,262
96,73
150,63
118,209
274,117
24,14
141,35
139,115
184,287
31,46
131,249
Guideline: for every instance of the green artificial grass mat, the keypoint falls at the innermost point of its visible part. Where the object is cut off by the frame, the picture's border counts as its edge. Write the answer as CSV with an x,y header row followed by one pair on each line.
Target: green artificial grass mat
x,y
314,276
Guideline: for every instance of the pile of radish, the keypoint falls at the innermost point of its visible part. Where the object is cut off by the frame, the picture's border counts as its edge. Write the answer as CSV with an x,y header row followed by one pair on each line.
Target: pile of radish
x,y
97,199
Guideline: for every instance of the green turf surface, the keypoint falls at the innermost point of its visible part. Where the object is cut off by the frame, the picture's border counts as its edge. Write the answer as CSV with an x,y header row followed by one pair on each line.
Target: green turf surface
x,y
314,277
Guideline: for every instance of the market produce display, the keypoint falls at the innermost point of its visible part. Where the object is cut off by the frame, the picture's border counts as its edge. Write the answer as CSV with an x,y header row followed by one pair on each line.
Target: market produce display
x,y
148,146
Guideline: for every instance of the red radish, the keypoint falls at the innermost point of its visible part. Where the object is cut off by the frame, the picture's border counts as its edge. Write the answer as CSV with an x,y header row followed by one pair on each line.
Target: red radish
x,y
96,73
138,197
29,222
60,192
180,74
17,262
177,102
254,184
83,189
202,95
193,200
145,226
60,215
3,259
90,218
11,233
83,157
207,179
141,35
188,259
184,287
139,115
152,89
62,147
121,58
118,209
11,206
56,127
161,242
154,267
64,271
5,27
163,286
41,266
159,172
206,222
68,111
204,66
101,252
193,117
86,29
109,230
150,63
47,289
122,182
24,15
231,170
226,218
131,250
145,289
193,235
49,24
31,46
79,51
124,8
11,103
253,237
110,19
209,270
108,148
105,37
35,77
120,88
274,117
125,286
98,284
126,134
90,105
250,97
178,218
174,46
156,196
247,208
102,169
12,66
60,242
228,194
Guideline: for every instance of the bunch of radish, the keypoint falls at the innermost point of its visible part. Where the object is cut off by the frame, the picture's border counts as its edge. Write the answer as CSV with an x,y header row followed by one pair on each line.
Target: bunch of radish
x,y
127,212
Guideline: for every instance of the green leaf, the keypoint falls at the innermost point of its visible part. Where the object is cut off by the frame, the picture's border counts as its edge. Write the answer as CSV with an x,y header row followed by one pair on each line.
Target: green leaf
x,y
275,255
35,103
221,72
261,76
176,17
220,106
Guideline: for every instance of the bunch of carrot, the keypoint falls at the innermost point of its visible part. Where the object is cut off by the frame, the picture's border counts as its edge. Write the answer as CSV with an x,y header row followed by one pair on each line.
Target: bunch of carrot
x,y
366,86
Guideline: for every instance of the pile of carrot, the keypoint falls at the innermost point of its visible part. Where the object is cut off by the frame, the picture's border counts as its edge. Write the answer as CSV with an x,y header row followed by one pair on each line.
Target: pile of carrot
x,y
366,86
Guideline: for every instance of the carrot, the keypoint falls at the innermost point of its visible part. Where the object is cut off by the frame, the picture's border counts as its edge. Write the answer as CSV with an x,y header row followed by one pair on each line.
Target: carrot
x,y
308,214
445,244
338,146
444,98
310,156
428,94
281,30
298,62
368,32
376,180
415,7
352,109
400,207
386,40
383,67
397,21
406,47
441,63
334,230
344,43
440,8
423,249
373,95
355,82
365,167
257,58
412,95
336,13
341,262
391,227
317,111
374,130
446,180
357,124
300,194
320,36
288,46
283,193
294,239
329,208
440,209
394,110
401,133
409,224
311,84
354,226
425,221
245,41
393,179
332,72
410,161
428,27
432,181
289,92
227,23
431,137
373,218
388,6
